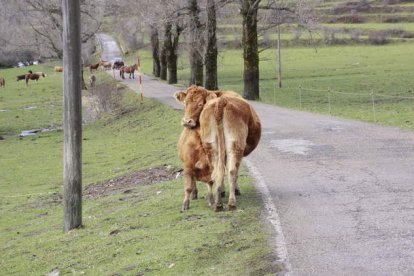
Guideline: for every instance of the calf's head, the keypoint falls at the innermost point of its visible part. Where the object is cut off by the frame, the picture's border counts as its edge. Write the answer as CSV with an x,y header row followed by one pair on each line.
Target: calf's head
x,y
194,99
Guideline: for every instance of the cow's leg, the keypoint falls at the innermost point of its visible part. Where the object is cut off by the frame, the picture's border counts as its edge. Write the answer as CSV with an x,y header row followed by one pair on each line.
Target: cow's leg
x,y
218,178
233,164
210,193
189,184
194,192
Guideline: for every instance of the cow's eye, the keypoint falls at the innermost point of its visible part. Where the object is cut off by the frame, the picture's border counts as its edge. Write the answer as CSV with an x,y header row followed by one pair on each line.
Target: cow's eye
x,y
200,105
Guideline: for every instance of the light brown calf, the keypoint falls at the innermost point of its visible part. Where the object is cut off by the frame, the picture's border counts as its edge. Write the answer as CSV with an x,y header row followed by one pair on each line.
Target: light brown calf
x,y
195,165
2,82
58,69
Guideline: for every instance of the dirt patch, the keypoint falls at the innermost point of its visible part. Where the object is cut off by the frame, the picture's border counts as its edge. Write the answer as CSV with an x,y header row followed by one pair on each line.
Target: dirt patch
x,y
125,183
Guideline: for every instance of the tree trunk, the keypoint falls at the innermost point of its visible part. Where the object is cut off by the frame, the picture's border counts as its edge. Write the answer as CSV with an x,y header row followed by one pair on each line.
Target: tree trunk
x,y
163,57
250,49
172,54
196,58
155,52
211,50
279,56
72,156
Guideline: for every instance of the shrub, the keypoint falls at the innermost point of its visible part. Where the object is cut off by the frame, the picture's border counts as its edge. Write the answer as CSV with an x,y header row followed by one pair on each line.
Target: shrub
x,y
105,98
378,38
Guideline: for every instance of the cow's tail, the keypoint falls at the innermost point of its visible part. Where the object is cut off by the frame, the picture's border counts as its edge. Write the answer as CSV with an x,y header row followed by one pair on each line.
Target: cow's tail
x,y
219,167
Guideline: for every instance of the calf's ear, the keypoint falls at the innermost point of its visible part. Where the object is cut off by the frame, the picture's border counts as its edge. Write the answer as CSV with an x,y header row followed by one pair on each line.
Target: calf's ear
x,y
180,96
211,95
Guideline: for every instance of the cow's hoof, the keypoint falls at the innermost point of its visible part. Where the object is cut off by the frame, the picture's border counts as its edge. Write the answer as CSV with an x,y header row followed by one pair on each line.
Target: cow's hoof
x,y
219,208
194,195
238,192
232,207
186,206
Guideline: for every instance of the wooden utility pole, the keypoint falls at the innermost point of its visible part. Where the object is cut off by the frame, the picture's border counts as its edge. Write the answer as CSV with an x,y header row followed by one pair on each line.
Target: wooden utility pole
x,y
279,55
72,155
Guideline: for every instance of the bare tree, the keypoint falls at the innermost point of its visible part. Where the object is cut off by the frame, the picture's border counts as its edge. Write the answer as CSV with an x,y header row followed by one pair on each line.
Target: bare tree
x,y
155,46
196,43
172,39
249,10
45,19
210,56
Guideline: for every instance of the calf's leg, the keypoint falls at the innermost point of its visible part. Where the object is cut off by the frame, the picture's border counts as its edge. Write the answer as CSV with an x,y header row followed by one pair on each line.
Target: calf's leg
x,y
189,185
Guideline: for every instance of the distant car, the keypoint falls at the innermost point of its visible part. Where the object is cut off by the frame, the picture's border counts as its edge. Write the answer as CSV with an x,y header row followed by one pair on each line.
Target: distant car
x,y
117,63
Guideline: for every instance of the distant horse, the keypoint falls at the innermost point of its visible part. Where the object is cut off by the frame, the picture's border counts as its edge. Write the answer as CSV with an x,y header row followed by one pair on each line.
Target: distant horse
x,y
2,82
128,69
117,65
94,66
58,69
32,76
105,64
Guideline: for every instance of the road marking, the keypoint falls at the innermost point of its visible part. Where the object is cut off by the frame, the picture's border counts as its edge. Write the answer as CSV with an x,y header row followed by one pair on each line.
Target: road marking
x,y
272,217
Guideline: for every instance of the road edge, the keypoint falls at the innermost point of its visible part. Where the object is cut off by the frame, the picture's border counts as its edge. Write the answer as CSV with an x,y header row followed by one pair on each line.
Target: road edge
x,y
272,217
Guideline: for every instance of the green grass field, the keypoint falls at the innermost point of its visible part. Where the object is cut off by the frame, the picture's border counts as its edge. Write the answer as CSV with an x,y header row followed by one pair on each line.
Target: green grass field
x,y
140,231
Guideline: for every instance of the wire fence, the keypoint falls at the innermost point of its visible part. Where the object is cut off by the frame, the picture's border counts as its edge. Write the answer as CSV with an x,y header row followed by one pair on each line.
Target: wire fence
x,y
394,108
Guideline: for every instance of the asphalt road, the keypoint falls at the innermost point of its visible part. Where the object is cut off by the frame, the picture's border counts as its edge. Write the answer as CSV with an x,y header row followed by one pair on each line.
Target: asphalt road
x,y
339,193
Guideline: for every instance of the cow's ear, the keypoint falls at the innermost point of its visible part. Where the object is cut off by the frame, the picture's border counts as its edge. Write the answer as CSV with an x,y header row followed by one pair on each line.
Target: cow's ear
x,y
211,95
180,96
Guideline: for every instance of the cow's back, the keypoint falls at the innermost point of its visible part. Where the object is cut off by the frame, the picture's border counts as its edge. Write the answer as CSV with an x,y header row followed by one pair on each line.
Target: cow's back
x,y
239,119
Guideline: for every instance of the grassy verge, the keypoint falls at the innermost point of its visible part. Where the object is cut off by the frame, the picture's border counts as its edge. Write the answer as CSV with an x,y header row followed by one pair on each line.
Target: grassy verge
x,y
337,80
138,231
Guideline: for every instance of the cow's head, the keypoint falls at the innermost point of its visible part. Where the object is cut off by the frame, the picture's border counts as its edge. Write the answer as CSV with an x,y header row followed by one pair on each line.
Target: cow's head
x,y
194,100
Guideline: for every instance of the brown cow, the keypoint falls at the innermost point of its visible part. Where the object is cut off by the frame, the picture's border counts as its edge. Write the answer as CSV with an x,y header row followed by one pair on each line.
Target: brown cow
x,y
21,77
94,67
128,69
229,130
195,161
58,69
32,76
2,82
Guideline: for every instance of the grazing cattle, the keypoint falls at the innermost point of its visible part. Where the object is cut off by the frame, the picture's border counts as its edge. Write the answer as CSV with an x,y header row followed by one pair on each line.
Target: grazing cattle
x,y
105,64
21,77
41,74
2,82
229,130
196,166
118,64
92,80
58,69
128,69
94,67
31,76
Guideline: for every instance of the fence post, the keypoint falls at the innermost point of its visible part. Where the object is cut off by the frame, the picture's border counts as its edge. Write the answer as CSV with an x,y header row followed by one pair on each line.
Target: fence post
x,y
373,105
300,96
329,99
